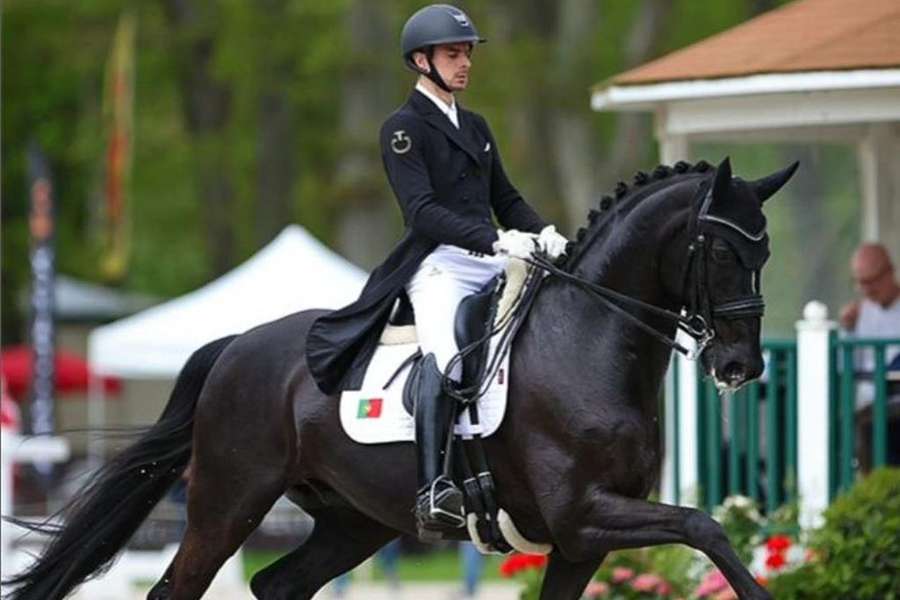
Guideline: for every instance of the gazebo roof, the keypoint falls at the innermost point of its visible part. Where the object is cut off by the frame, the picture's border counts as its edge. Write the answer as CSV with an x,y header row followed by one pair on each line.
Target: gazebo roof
x,y
800,47
808,35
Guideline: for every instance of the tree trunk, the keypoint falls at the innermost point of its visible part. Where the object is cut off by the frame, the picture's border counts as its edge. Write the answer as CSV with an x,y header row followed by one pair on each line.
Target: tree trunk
x,y
633,134
367,227
206,105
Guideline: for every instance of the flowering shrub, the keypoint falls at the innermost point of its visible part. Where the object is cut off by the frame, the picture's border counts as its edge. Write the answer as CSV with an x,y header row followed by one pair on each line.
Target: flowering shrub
x,y
647,573
715,586
742,522
530,568
856,554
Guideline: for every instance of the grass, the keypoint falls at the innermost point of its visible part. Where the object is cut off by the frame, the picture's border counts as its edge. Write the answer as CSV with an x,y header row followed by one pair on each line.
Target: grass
x,y
441,565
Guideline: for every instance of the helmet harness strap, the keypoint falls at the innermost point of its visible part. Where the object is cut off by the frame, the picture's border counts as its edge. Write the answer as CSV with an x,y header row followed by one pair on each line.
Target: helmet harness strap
x,y
432,72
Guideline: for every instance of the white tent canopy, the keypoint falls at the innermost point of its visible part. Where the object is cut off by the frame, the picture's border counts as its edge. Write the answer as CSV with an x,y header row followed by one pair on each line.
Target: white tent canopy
x,y
294,272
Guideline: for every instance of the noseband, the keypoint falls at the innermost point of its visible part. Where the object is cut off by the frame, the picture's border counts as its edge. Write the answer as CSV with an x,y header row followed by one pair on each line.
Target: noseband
x,y
697,320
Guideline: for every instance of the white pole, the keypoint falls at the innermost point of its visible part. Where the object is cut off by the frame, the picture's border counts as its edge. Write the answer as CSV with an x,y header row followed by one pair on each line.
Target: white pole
x,y
813,345
96,420
667,492
688,435
6,483
673,148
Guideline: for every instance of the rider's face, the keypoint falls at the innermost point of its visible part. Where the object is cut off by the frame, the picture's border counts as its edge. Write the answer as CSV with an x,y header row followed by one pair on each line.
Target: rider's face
x,y
453,62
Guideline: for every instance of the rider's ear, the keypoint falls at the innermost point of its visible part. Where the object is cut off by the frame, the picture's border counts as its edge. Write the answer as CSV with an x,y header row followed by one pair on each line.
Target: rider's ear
x,y
723,180
766,187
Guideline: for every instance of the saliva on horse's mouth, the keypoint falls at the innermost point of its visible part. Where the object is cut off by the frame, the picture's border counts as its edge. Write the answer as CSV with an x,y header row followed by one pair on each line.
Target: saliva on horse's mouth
x,y
724,386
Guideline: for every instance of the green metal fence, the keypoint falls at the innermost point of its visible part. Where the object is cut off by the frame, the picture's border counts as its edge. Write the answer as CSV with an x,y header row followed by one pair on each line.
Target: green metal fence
x,y
748,440
851,374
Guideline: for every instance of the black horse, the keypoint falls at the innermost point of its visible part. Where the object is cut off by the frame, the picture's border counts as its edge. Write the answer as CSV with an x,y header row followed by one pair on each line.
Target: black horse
x,y
574,460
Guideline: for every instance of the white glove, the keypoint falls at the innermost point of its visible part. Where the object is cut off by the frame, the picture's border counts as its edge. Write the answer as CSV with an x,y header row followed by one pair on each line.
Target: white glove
x,y
517,244
551,243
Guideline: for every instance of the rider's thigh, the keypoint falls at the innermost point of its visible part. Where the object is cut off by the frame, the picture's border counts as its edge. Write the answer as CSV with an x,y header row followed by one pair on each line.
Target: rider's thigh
x,y
435,296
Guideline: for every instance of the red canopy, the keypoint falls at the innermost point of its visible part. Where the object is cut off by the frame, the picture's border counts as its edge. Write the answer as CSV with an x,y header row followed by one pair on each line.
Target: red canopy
x,y
72,373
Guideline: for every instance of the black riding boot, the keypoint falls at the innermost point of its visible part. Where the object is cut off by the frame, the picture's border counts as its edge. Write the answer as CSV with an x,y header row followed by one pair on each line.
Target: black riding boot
x,y
439,503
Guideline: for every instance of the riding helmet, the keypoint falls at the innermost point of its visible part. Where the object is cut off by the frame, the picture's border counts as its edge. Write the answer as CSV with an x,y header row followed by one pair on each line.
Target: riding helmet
x,y
436,24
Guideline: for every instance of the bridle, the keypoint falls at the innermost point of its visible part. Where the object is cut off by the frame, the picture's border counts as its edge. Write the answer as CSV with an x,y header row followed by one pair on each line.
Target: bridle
x,y
697,318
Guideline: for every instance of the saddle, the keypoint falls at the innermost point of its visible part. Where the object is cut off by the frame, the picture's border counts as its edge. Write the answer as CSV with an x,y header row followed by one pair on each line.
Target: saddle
x,y
474,319
478,316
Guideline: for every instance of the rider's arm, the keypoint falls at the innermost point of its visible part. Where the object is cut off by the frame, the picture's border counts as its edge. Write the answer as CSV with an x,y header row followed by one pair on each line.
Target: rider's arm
x,y
511,209
407,173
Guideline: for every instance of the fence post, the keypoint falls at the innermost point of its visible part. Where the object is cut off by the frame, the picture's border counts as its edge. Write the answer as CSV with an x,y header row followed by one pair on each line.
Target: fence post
x,y
688,409
813,339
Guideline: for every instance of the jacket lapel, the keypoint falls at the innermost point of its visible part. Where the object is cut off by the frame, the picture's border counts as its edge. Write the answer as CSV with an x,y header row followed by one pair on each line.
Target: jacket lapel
x,y
439,121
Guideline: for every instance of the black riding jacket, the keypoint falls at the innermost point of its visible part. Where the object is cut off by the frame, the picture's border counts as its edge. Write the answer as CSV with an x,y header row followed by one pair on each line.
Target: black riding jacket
x,y
448,182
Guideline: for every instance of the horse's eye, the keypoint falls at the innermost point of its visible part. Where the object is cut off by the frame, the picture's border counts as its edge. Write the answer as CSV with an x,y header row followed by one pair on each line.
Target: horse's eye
x,y
722,254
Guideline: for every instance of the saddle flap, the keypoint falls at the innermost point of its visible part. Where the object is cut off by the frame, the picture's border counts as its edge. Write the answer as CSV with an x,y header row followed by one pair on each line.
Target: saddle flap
x,y
474,318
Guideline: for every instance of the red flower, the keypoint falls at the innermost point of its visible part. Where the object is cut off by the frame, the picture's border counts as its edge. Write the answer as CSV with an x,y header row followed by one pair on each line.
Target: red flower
x,y
778,543
775,560
520,562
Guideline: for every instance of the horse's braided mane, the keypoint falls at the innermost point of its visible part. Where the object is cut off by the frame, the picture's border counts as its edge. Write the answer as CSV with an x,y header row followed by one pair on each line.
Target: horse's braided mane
x,y
624,197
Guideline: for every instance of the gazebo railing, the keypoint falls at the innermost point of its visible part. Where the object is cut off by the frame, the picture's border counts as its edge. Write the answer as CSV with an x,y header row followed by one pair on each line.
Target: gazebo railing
x,y
752,442
748,439
849,383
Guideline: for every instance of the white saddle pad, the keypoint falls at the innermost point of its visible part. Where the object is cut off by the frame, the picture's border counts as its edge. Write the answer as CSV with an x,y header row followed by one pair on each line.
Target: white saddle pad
x,y
374,414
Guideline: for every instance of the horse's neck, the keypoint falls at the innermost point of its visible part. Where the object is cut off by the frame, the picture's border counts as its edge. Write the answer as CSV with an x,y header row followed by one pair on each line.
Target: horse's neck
x,y
606,349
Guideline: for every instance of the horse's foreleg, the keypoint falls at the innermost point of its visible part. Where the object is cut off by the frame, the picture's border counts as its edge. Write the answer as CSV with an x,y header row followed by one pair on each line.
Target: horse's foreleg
x,y
565,580
614,522
341,539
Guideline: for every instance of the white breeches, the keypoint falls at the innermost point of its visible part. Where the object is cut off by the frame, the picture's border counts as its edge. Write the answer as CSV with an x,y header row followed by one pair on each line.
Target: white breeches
x,y
444,278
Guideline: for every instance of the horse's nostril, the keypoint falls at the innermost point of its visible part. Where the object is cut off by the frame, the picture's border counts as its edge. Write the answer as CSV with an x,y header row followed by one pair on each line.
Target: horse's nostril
x,y
735,372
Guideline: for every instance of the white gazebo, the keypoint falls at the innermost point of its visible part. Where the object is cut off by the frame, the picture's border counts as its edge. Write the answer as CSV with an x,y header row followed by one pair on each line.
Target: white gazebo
x,y
810,71
813,70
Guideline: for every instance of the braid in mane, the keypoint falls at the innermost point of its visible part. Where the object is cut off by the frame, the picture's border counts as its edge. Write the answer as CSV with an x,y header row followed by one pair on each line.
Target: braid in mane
x,y
622,199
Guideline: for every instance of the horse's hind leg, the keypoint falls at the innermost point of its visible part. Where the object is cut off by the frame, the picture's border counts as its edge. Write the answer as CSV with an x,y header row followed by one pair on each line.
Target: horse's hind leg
x,y
341,538
222,512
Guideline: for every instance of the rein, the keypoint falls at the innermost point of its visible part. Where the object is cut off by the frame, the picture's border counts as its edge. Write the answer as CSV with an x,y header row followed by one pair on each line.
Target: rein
x,y
697,318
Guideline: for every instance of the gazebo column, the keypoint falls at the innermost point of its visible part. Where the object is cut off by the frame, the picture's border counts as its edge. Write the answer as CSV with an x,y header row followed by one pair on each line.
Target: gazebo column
x,y
672,146
880,182
680,443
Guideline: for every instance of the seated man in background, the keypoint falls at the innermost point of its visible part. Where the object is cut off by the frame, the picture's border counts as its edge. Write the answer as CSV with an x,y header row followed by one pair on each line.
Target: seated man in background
x,y
876,314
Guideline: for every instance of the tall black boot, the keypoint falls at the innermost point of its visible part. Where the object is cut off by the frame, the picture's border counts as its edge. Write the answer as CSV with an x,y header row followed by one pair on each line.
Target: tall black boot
x,y
439,503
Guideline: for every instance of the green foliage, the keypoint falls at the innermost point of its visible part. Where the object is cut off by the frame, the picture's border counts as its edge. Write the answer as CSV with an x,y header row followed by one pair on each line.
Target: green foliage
x,y
525,80
740,518
857,550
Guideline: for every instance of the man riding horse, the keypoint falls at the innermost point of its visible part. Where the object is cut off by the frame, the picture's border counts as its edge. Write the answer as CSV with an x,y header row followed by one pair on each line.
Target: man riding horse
x,y
443,164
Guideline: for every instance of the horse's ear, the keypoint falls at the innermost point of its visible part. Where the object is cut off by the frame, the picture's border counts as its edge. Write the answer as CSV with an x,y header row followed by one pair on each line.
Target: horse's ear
x,y
723,180
766,187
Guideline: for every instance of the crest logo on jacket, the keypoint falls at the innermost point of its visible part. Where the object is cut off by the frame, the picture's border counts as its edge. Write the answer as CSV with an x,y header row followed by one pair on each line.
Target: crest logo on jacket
x,y
400,142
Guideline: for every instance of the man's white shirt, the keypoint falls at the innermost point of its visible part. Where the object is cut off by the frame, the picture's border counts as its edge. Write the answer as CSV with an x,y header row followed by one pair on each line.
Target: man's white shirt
x,y
448,110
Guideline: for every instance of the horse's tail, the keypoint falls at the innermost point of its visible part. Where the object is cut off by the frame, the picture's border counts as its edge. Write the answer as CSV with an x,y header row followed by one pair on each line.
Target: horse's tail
x,y
106,512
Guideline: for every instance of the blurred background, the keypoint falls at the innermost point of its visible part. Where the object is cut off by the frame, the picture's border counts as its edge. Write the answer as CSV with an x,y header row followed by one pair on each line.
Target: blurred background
x,y
241,117
182,136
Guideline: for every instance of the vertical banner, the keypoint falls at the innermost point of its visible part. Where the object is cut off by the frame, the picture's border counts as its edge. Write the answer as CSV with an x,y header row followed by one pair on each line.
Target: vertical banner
x,y
118,101
41,223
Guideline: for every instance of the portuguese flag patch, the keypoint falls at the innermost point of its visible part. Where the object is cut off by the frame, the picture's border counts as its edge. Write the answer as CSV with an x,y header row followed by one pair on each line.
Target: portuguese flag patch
x,y
369,408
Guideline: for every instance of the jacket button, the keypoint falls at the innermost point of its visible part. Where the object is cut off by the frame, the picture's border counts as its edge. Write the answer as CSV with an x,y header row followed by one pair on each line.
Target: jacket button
x,y
465,198
463,175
